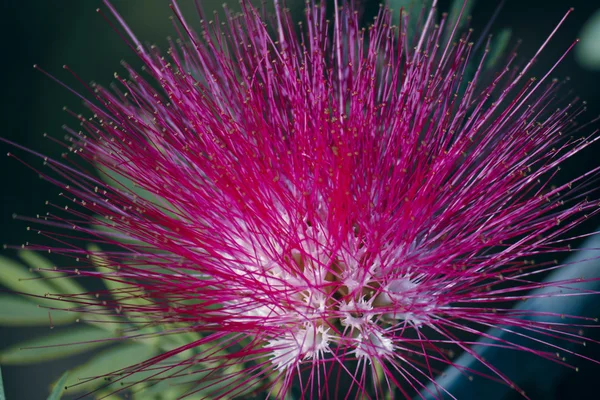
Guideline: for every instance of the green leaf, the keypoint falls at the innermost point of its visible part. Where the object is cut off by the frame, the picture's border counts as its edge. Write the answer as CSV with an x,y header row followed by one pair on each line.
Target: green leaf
x,y
109,232
61,281
17,277
174,383
112,360
457,6
117,181
498,47
108,394
410,9
2,397
59,344
168,388
412,5
121,290
18,311
59,387
169,342
126,185
125,293
66,285
229,378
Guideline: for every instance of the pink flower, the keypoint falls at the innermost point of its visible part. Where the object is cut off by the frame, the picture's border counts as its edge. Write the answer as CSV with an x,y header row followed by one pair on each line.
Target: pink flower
x,y
332,209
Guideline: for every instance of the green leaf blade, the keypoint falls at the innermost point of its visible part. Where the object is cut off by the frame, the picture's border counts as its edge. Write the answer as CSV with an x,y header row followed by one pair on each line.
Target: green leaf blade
x,y
498,47
61,281
18,278
57,345
59,387
111,360
455,13
18,311
2,396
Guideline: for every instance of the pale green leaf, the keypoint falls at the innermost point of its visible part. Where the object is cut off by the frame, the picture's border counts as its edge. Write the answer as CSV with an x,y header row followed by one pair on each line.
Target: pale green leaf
x,y
115,180
63,282
108,394
112,279
115,282
56,345
109,232
125,293
112,360
17,277
19,311
66,285
59,388
102,320
126,185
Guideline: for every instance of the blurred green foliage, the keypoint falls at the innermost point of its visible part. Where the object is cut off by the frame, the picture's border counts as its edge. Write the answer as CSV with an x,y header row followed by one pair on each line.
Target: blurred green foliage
x,y
588,50
124,350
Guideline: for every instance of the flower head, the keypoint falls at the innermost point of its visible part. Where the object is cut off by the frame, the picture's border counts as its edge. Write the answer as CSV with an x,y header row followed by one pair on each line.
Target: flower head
x,y
323,205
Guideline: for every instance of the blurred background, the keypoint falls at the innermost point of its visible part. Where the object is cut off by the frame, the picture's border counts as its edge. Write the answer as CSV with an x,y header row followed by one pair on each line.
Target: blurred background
x,y
53,33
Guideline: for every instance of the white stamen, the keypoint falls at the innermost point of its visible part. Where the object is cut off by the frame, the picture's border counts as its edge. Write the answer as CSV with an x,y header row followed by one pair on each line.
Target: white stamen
x,y
307,343
373,344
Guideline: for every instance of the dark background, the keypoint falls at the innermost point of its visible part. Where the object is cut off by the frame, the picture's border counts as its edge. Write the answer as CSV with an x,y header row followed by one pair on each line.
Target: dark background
x,y
53,33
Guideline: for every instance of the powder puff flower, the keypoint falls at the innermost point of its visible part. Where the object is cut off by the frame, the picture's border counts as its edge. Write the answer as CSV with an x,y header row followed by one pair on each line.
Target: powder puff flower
x,y
330,210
